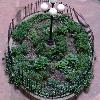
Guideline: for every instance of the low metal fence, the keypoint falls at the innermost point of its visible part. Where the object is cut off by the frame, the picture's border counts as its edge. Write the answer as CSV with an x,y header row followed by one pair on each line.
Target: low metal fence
x,y
35,8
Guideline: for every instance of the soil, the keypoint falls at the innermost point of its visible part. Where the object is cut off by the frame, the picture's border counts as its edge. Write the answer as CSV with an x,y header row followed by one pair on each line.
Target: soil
x,y
57,75
31,52
71,44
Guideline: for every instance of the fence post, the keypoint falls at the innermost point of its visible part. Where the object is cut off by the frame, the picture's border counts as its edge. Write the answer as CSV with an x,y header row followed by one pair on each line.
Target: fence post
x,y
28,11
67,12
9,32
36,6
70,12
38,3
34,10
31,7
25,12
8,35
13,23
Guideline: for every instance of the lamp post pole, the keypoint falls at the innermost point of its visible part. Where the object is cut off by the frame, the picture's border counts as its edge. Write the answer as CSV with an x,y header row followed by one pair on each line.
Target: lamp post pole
x,y
52,12
50,41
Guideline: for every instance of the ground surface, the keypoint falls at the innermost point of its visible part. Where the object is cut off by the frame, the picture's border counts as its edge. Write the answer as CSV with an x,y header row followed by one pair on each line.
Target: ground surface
x,y
91,11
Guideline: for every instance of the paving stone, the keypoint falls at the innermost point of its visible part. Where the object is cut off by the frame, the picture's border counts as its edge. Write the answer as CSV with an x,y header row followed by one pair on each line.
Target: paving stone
x,y
90,9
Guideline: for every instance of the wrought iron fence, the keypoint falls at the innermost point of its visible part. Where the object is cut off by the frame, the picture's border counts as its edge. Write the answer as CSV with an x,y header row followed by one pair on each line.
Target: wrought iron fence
x,y
35,8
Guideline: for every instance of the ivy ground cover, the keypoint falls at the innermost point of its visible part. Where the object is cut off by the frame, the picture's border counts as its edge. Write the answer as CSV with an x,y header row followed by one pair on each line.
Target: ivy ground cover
x,y
50,71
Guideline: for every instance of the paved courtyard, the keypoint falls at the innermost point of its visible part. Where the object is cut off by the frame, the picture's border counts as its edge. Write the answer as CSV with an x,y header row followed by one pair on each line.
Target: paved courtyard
x,y
91,11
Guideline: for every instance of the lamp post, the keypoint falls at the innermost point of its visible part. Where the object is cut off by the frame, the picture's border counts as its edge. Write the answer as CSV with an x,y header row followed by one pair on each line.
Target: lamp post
x,y
53,12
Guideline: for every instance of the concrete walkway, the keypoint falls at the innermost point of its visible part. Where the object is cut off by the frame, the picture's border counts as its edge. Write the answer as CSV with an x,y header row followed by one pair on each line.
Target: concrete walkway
x,y
91,11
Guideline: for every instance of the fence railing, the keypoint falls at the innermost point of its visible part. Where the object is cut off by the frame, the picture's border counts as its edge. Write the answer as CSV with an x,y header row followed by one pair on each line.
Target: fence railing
x,y
35,8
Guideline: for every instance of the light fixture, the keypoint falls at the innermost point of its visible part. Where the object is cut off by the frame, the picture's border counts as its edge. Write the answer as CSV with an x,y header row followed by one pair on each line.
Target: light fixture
x,y
44,6
61,7
53,11
53,1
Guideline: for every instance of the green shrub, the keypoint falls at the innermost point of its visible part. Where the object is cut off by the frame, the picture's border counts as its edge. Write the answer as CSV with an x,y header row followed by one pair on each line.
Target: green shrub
x,y
76,68
61,47
54,52
59,38
82,43
40,48
61,65
61,44
21,31
53,83
20,49
19,57
44,36
74,26
34,38
44,74
40,63
61,30
50,52
17,80
71,59
67,62
84,61
21,65
38,77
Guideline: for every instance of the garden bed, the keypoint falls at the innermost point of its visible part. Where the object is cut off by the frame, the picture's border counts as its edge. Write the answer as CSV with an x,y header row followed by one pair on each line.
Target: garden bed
x,y
57,71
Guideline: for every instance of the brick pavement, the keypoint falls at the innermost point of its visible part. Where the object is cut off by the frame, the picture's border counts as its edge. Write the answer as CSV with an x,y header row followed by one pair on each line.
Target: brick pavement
x,y
91,11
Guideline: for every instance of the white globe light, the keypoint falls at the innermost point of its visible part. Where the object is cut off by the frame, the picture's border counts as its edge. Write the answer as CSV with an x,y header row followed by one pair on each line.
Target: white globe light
x,y
44,6
61,7
53,1
53,11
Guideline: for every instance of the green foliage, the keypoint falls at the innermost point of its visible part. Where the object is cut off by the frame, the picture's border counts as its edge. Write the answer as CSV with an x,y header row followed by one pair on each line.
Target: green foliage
x,y
37,77
53,83
44,74
17,80
40,63
76,70
50,52
34,37
21,31
62,30
59,38
53,52
69,61
20,49
33,73
82,42
44,36
74,26
40,49
8,62
72,60
61,43
62,19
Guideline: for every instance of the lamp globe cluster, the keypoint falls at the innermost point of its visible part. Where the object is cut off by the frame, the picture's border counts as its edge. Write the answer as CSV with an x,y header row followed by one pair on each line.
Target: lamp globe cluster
x,y
52,1
52,11
44,6
61,7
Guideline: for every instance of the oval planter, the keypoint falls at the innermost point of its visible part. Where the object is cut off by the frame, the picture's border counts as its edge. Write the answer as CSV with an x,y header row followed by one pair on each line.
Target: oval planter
x,y
46,72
